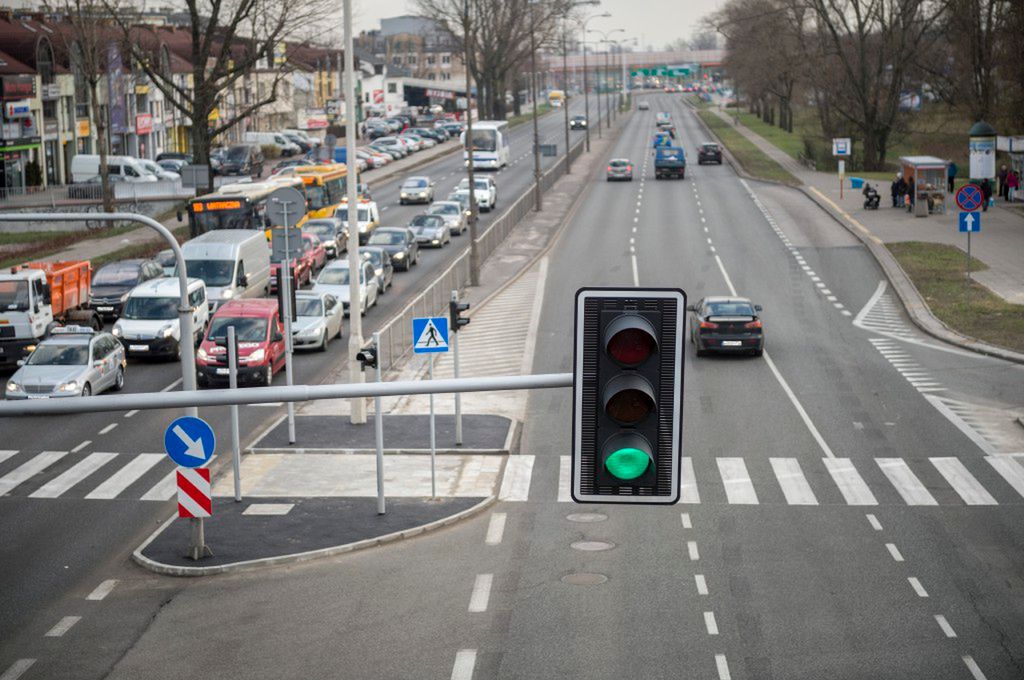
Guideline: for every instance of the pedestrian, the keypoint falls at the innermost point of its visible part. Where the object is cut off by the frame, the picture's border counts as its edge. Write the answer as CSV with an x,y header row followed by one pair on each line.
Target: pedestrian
x,y
1012,184
986,193
911,194
894,190
1003,188
951,171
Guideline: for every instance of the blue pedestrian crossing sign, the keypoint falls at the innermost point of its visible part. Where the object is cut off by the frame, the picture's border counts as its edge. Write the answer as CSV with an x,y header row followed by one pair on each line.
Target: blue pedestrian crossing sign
x,y
190,441
970,222
430,334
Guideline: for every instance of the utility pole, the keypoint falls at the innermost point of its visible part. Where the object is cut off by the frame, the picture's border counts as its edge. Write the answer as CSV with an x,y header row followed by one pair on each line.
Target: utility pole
x,y
355,336
474,253
537,200
586,90
565,90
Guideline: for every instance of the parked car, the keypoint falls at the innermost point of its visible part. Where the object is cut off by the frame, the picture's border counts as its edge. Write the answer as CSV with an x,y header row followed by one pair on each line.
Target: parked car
x,y
112,282
175,156
318,320
172,165
261,346
85,166
242,159
275,139
160,173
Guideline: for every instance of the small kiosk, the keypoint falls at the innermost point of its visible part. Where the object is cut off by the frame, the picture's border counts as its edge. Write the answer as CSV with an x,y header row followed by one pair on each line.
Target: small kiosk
x,y
929,175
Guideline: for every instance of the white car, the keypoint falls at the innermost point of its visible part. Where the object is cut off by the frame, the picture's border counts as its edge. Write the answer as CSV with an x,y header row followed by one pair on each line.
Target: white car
x,y
486,192
148,325
317,320
334,280
160,173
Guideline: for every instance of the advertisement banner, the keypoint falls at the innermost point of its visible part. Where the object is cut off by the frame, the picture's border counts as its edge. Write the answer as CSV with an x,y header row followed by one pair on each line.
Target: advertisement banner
x,y
82,128
117,105
143,123
18,87
983,157
378,96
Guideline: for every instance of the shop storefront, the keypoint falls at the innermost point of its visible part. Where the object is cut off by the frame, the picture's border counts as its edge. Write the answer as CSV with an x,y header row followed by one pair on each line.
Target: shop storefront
x,y
19,134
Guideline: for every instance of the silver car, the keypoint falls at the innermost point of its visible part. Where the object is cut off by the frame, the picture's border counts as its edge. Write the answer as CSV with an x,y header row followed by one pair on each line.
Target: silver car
x,y
453,214
318,320
73,361
332,234
431,230
416,190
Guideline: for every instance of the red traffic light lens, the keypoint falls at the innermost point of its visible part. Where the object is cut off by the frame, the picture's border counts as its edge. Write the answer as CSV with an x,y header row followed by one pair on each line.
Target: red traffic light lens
x,y
633,344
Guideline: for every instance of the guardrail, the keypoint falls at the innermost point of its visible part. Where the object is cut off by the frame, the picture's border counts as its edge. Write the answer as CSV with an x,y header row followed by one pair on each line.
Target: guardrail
x,y
396,335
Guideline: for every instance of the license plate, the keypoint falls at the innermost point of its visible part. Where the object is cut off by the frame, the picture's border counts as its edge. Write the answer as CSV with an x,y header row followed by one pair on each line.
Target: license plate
x,y
732,343
222,371
138,348
104,309
38,396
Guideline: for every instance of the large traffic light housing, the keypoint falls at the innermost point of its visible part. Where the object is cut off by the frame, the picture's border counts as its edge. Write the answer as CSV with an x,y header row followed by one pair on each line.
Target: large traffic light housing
x,y
628,395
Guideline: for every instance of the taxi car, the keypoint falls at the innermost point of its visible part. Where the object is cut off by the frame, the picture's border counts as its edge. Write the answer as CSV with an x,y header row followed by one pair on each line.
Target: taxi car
x,y
73,361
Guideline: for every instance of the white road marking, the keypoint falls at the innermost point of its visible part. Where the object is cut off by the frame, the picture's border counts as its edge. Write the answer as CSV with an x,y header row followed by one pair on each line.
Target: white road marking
x,y
691,548
518,473
1009,470
481,593
906,482
791,478
918,588
124,477
736,480
962,481
73,475
102,590
972,666
970,432
495,529
28,469
108,428
685,517
710,623
725,275
689,493
7,453
894,552
723,667
131,413
636,271
799,407
855,491
81,446
17,669
564,479
702,585
63,626
873,521
465,660
164,489
172,385
944,625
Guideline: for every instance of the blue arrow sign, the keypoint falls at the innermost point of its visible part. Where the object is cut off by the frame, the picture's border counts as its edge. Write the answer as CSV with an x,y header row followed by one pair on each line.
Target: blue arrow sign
x,y
430,334
190,441
970,222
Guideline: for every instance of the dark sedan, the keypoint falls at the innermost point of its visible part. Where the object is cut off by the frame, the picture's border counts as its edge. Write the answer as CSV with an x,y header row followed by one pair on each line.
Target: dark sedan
x,y
112,283
400,244
578,123
709,152
726,324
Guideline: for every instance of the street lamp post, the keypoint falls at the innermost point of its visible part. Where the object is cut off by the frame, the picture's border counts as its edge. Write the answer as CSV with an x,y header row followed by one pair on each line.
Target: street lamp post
x,y
604,39
474,253
537,200
586,90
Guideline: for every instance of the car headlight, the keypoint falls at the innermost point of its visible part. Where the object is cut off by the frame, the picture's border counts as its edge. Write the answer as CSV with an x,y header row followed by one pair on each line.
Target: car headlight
x,y
202,355
398,256
256,357
13,386
311,332
166,331
362,228
227,293
116,331
124,298
68,387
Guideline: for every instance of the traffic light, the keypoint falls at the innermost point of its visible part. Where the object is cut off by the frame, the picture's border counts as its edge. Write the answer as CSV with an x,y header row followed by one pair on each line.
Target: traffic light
x,y
367,356
455,310
279,283
628,395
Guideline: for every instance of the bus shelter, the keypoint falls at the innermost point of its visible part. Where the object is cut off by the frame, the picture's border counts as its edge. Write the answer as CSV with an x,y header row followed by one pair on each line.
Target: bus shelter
x,y
930,182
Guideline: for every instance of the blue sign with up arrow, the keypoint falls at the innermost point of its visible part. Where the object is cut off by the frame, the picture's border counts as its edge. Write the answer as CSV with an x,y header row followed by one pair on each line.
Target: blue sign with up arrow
x,y
970,222
190,441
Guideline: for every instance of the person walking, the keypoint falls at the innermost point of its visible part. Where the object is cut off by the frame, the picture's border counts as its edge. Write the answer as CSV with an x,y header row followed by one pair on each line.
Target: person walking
x,y
896,189
1012,185
951,171
911,194
1003,189
986,193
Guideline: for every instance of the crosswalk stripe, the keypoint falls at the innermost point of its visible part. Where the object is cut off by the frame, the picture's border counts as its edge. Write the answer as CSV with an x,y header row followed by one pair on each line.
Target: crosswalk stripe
x,y
962,481
1009,470
28,469
564,479
906,482
124,477
4,455
855,491
73,475
738,487
164,489
791,478
689,483
516,484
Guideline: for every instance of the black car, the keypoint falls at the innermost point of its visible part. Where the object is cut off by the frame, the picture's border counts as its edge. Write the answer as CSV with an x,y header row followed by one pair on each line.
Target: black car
x,y
430,133
174,156
304,146
112,282
454,129
400,244
578,123
709,152
726,324
243,159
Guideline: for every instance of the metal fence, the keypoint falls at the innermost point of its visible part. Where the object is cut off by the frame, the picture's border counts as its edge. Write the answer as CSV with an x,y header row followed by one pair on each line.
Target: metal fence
x,y
396,335
28,197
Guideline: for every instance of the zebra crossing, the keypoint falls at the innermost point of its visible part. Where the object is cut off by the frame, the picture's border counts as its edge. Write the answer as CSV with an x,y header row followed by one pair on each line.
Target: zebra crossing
x,y
94,476
937,481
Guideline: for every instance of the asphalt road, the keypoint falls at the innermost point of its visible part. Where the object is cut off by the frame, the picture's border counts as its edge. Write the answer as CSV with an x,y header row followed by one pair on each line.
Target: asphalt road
x,y
58,549
850,524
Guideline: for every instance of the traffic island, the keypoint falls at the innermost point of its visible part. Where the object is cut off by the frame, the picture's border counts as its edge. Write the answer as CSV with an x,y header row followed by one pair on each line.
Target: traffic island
x,y
265,532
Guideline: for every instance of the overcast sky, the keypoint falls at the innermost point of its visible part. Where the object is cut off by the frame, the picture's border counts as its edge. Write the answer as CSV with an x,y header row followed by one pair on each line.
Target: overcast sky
x,y
653,22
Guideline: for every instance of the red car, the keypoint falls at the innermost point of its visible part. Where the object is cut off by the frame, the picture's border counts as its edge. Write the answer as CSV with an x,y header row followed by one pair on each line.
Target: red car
x,y
300,270
261,348
313,250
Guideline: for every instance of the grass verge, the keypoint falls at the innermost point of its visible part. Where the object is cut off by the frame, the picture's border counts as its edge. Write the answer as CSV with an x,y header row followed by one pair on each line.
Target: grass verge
x,y
139,250
938,272
753,160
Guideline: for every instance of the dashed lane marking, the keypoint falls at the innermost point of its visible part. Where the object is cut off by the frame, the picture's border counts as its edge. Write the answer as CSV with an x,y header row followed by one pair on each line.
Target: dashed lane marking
x,y
63,626
102,590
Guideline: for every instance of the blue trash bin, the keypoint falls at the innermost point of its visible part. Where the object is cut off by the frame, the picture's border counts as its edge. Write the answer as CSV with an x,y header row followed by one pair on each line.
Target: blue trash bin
x,y
856,182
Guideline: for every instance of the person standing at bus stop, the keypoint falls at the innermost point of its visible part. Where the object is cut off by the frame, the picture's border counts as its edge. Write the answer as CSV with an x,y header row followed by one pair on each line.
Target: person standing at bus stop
x,y
951,171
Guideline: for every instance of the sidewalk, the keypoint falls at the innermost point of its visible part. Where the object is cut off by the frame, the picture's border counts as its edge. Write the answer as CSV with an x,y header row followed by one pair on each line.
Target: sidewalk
x,y
1000,244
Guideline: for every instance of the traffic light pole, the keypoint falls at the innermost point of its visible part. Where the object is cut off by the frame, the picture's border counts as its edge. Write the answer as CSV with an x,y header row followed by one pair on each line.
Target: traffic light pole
x,y
458,397
433,439
236,450
378,426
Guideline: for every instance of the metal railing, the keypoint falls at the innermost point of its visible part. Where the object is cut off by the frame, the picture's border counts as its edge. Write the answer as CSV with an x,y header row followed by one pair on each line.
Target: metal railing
x,y
51,196
396,335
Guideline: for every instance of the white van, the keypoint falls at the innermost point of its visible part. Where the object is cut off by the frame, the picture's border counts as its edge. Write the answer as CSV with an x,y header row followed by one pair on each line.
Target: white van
x,y
286,147
85,166
234,263
149,324
367,218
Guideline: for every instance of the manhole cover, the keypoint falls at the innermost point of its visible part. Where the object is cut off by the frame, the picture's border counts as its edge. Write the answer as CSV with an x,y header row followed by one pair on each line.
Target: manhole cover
x,y
592,546
586,517
584,579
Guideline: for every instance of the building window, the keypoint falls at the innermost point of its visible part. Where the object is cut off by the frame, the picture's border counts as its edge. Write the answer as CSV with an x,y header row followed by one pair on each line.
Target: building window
x,y
446,58
397,61
431,76
44,61
411,59
431,59
392,88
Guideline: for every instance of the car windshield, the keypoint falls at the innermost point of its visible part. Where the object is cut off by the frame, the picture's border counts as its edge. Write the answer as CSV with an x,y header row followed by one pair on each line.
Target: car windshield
x,y
444,210
14,295
213,272
729,309
387,238
376,257
116,275
150,308
307,306
333,276
247,328
60,354
418,183
619,163
427,221
710,147
321,229
364,214
237,153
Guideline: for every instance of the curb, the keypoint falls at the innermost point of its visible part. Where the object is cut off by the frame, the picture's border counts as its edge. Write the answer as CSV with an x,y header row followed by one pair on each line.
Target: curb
x,y
917,309
265,562
387,452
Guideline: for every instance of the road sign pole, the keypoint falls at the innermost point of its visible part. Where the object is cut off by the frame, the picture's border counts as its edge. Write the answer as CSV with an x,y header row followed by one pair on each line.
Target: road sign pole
x,y
286,297
378,425
197,548
236,451
455,374
967,278
433,439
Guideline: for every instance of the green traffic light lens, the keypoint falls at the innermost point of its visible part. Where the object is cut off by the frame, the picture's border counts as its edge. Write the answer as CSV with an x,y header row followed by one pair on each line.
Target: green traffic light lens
x,y
627,463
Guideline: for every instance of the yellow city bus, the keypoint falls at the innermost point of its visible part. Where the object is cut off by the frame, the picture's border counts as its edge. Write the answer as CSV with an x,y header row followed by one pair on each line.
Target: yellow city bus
x,y
239,206
325,187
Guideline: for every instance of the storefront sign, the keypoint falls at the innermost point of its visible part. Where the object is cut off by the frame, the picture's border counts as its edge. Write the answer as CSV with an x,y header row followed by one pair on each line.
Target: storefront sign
x,y
50,128
18,87
50,92
313,119
143,123
983,157
17,109
82,128
440,94
378,96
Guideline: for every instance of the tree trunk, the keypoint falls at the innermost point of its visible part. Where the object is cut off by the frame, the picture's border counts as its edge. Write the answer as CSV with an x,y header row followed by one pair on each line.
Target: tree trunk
x,y
100,124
